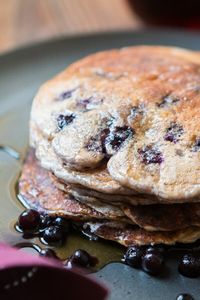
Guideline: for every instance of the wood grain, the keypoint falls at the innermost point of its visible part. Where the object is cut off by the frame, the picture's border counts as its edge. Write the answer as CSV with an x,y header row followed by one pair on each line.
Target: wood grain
x,y
28,21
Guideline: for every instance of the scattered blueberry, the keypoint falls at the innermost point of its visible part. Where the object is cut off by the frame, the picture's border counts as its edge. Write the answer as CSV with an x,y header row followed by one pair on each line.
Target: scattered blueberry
x,y
157,249
173,133
53,235
64,120
150,155
45,221
118,136
48,253
196,145
29,220
65,95
97,143
168,100
89,103
62,222
189,266
82,103
80,258
184,297
152,263
133,256
104,133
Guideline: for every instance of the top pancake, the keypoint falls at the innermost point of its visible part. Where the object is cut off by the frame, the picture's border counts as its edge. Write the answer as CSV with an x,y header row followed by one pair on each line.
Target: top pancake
x,y
138,108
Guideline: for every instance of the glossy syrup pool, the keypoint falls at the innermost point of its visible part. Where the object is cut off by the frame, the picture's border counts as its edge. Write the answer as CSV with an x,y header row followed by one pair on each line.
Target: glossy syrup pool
x,y
13,148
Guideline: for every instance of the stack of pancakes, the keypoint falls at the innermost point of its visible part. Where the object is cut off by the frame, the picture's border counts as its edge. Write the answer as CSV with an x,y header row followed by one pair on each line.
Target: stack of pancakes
x,y
115,144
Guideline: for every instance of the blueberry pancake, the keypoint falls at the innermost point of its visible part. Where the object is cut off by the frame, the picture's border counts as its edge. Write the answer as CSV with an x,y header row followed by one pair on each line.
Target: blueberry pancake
x,y
96,183
135,110
98,179
38,190
128,235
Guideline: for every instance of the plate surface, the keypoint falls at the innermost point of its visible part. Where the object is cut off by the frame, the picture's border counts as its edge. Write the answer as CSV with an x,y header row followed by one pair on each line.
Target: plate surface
x,y
21,74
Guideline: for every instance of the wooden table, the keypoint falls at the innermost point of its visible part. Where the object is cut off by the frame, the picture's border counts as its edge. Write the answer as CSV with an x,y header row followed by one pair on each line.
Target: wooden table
x,y
28,21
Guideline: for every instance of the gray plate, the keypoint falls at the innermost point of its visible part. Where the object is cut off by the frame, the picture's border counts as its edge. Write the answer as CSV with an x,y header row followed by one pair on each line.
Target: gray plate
x,y
22,72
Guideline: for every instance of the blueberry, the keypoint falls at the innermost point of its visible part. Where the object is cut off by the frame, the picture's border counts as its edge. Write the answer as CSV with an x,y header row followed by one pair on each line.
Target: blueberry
x,y
63,223
189,266
80,258
133,256
97,143
82,103
48,253
65,95
53,235
196,145
184,297
150,155
168,100
152,263
157,249
29,220
45,221
118,136
173,133
64,120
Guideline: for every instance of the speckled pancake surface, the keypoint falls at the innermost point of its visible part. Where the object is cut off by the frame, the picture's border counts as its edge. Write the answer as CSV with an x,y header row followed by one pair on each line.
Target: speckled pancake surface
x,y
98,179
136,108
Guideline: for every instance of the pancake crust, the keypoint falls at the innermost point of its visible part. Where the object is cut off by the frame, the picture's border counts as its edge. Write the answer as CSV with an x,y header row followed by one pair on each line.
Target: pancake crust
x,y
136,107
37,190
128,235
155,217
41,190
164,217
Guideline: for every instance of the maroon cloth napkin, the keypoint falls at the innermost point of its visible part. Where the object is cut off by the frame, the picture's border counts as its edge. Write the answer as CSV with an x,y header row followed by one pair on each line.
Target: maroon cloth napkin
x,y
25,276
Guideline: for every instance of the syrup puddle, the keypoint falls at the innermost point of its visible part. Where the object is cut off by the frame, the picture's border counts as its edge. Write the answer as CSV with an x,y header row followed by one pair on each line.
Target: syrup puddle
x,y
104,251
10,151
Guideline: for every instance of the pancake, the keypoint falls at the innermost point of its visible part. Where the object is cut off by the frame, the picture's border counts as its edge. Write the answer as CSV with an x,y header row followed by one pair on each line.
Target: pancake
x,y
37,190
138,109
40,189
155,217
128,235
99,179
159,217
95,183
137,199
